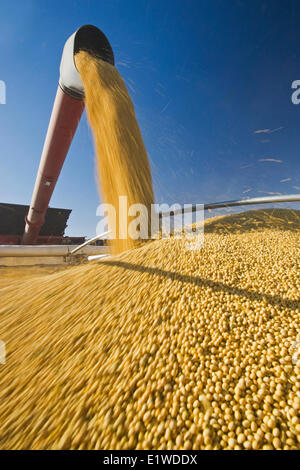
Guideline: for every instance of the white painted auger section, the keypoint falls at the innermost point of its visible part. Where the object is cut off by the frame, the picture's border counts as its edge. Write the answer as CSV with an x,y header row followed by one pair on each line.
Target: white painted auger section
x,y
93,258
69,76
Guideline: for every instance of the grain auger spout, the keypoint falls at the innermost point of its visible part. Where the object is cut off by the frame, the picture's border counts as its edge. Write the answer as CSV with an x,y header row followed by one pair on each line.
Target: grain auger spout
x,y
67,110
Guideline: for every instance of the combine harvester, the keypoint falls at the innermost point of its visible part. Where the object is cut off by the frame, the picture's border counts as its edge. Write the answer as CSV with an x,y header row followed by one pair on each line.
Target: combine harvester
x,y
66,114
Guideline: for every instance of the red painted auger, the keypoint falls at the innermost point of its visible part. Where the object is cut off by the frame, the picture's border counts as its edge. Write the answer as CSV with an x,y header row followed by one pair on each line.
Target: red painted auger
x,y
67,109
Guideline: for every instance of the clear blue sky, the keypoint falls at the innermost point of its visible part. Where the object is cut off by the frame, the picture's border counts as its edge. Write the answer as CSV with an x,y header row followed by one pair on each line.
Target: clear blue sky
x,y
204,75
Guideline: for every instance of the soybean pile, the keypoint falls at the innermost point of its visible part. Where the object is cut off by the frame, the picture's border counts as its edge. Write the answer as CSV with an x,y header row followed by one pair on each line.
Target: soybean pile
x,y
159,347
122,160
